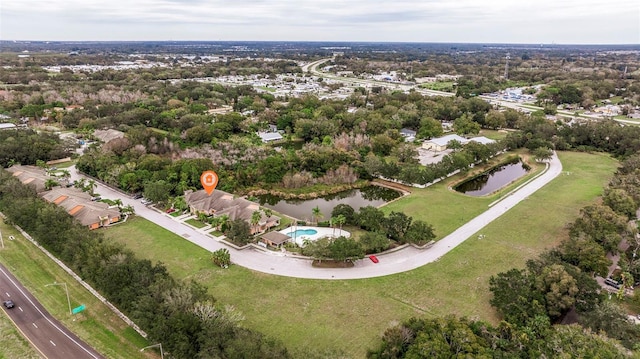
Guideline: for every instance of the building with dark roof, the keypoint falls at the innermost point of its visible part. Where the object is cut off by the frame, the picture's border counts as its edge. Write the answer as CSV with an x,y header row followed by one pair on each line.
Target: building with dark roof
x,y
221,203
77,203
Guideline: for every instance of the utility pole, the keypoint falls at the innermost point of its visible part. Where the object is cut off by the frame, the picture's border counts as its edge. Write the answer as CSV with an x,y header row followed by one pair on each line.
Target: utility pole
x,y
66,290
155,345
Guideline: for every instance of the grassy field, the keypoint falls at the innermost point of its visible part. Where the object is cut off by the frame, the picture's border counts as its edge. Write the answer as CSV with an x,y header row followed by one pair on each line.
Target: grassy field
x,y
447,86
14,345
97,325
349,316
447,209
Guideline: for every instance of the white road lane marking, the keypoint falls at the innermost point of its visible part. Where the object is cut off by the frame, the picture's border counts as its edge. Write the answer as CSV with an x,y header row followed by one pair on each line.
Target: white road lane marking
x,y
54,344
45,317
21,309
34,324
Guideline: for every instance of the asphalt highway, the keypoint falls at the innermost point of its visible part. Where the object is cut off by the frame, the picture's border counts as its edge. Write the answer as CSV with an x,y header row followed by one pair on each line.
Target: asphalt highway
x,y
44,332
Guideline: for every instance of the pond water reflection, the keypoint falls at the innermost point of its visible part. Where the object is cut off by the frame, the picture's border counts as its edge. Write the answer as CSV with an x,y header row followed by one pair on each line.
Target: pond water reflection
x,y
356,198
493,180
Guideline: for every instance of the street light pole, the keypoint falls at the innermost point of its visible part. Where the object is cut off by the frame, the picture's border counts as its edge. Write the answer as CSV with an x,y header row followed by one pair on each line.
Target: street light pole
x,y
66,290
155,345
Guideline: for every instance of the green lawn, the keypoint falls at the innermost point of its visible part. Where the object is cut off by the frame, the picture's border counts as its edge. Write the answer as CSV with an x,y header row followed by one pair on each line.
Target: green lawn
x,y
446,209
349,316
447,86
196,223
97,325
14,345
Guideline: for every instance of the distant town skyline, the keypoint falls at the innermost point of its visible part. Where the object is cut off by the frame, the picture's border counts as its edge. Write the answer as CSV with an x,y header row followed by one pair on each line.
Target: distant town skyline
x,y
488,21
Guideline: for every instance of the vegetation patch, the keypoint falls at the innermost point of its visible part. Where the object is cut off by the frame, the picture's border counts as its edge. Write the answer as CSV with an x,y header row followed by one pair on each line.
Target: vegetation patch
x,y
336,315
98,325
196,223
332,264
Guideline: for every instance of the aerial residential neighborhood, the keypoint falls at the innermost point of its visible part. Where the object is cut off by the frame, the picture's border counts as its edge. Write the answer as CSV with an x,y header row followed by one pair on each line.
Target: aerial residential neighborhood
x,y
317,180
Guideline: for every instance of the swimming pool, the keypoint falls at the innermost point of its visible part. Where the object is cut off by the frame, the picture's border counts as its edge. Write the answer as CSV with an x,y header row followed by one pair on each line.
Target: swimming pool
x,y
302,232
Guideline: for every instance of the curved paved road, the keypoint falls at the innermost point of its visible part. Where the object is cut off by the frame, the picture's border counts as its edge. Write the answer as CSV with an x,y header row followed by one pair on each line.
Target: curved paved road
x,y
392,263
312,68
44,332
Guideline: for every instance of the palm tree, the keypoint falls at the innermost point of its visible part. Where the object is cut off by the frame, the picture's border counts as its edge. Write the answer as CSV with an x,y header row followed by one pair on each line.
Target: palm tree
x,y
316,214
91,185
215,222
50,183
118,202
341,219
224,219
202,217
332,222
255,219
66,175
128,209
81,184
268,213
180,203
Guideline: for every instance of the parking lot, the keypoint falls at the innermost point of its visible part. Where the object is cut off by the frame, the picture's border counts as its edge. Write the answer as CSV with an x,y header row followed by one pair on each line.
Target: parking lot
x,y
427,157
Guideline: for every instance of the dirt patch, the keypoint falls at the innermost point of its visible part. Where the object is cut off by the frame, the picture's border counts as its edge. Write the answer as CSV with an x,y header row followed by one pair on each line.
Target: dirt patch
x,y
397,186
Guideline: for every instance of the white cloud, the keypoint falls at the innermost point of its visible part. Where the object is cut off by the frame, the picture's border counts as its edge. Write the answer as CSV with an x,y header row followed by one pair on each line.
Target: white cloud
x,y
566,21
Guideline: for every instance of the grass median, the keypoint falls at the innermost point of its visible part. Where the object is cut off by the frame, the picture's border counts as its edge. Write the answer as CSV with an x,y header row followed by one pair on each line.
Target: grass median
x,y
347,317
97,325
14,345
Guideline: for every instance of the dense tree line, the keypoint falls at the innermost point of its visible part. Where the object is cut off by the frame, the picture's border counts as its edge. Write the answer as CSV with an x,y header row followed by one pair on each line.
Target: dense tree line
x,y
452,337
559,281
181,315
27,147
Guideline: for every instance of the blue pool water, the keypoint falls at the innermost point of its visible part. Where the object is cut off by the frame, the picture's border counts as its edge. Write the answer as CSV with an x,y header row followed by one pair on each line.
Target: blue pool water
x,y
302,232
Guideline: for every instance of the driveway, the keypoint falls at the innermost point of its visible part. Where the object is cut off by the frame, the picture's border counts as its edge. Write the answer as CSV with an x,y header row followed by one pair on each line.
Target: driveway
x,y
392,263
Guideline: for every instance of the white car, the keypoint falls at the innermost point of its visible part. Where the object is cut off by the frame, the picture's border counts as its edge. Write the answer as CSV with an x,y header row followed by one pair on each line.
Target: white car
x,y
146,201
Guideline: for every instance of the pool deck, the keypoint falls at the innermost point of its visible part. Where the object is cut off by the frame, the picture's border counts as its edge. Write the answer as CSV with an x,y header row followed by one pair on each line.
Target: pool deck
x,y
322,232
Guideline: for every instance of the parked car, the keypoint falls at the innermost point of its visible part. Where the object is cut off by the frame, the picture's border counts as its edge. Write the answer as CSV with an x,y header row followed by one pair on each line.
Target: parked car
x,y
612,283
96,198
137,196
8,304
171,210
374,259
146,201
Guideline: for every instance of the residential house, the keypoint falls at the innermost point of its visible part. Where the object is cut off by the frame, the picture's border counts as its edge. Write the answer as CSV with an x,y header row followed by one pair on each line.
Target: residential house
x,y
275,239
267,137
7,126
108,135
481,139
221,203
30,175
441,143
409,135
79,205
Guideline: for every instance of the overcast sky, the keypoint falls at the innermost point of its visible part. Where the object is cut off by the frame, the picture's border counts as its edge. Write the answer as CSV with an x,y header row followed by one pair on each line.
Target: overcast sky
x,y
497,21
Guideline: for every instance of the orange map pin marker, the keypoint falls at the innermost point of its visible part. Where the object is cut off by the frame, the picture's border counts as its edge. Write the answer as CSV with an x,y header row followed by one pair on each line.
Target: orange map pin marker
x,y
209,180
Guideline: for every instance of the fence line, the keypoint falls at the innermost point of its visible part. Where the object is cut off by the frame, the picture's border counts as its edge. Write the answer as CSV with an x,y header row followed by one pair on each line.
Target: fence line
x,y
82,282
